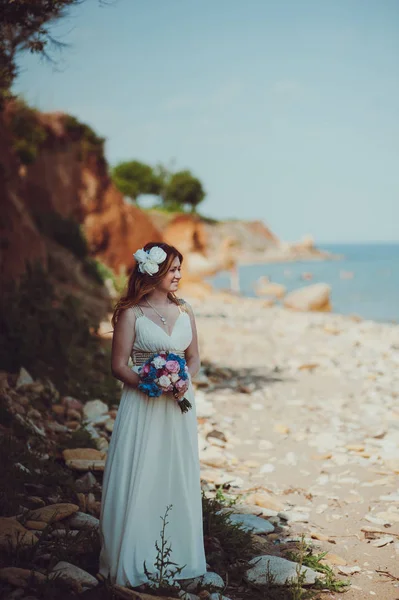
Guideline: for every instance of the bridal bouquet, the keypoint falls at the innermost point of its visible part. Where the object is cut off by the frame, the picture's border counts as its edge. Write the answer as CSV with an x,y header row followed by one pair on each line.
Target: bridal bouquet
x,y
165,372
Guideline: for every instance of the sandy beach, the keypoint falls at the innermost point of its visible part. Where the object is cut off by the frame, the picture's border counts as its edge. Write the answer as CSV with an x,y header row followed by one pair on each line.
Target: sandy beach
x,y
306,406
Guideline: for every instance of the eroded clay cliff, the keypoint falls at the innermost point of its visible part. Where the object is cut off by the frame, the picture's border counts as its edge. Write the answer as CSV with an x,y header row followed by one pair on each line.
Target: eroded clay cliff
x,y
68,176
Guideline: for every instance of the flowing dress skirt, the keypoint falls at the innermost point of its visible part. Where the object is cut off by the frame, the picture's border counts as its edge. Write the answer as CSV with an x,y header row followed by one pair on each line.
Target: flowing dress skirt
x,y
152,463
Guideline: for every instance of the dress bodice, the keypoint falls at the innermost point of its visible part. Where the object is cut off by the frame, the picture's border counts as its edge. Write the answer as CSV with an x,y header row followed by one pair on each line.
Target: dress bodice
x,y
151,337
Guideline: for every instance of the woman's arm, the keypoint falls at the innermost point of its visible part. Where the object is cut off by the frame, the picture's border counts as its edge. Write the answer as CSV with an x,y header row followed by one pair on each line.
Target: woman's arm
x,y
192,352
122,344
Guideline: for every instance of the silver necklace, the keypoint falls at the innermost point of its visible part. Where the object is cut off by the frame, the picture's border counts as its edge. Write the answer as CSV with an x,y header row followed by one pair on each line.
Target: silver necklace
x,y
154,309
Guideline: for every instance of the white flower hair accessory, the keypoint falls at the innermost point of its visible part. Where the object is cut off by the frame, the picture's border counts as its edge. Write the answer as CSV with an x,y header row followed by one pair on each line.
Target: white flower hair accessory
x,y
150,260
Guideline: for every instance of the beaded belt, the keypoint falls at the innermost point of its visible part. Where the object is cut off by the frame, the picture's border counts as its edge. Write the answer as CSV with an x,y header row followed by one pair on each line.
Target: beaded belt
x,y
139,357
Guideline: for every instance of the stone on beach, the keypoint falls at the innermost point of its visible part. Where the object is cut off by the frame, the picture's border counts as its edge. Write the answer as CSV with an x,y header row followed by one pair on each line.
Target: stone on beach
x,y
81,520
85,465
84,459
79,579
213,457
210,580
21,578
24,378
251,523
265,287
314,297
281,570
54,512
13,534
94,408
83,454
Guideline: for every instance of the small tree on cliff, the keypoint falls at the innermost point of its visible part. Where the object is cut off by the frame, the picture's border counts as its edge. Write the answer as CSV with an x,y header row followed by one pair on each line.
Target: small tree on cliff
x,y
184,189
133,178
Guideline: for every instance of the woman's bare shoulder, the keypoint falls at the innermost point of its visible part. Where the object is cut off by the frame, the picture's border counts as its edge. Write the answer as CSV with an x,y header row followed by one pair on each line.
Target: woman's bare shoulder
x,y
130,314
184,305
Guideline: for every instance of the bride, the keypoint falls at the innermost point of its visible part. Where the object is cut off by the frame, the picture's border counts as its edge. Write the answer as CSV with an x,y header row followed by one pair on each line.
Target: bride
x,y
152,459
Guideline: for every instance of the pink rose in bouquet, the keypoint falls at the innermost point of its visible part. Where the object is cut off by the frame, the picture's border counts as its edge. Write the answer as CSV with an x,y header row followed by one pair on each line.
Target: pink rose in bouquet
x,y
181,385
172,366
146,368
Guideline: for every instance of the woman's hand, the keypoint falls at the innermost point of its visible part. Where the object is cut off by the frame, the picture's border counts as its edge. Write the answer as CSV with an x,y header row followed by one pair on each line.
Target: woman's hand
x,y
180,395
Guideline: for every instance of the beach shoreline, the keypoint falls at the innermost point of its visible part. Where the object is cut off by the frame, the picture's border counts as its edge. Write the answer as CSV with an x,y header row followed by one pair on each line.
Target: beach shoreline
x,y
307,403
279,256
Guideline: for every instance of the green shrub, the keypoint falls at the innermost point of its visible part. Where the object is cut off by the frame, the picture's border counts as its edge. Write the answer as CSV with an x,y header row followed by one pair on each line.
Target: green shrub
x,y
80,438
235,542
64,230
51,337
27,133
23,469
90,142
92,268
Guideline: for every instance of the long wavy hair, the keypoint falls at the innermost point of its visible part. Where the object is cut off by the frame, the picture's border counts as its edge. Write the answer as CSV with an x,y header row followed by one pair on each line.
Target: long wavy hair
x,y
140,284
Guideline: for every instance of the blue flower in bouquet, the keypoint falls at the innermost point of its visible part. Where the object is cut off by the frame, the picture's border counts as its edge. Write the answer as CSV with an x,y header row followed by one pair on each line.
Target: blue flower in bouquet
x,y
151,389
151,375
180,360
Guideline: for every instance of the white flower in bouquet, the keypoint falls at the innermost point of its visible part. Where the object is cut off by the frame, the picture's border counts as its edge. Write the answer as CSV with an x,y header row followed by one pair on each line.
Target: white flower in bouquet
x,y
164,381
174,377
158,362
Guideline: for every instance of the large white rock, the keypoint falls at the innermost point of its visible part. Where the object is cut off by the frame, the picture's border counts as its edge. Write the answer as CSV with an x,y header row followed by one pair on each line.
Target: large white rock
x,y
94,408
252,523
81,520
265,287
210,580
213,457
187,596
23,378
74,575
314,297
283,571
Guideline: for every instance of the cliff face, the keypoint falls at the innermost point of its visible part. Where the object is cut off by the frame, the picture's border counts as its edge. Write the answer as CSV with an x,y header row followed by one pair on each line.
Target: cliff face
x,y
68,176
212,247
20,238
50,164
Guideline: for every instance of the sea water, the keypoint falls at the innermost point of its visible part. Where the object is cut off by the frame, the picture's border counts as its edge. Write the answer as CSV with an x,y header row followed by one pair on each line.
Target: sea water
x,y
365,282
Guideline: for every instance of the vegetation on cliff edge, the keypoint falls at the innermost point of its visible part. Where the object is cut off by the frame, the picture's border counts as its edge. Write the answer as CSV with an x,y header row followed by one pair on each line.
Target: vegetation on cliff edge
x,y
51,337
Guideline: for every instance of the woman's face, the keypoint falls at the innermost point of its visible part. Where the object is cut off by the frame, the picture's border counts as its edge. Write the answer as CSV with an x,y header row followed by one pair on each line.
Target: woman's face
x,y
170,282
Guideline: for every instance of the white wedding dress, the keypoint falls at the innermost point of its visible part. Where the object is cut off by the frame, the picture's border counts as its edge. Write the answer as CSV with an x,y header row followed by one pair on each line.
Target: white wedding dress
x,y
152,462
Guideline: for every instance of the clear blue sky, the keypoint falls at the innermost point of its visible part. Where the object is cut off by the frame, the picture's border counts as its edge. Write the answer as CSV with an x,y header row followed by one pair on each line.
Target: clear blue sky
x,y
287,110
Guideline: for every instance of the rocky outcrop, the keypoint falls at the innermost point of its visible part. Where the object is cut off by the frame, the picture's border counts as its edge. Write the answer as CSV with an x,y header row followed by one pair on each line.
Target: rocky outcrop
x,y
193,237
20,238
69,177
265,287
210,247
116,230
311,298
